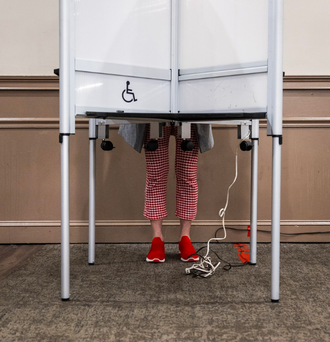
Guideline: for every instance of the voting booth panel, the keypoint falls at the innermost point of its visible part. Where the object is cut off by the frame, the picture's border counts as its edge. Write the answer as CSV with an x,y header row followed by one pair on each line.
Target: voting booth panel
x,y
227,94
220,54
130,32
223,52
104,93
223,33
178,61
118,42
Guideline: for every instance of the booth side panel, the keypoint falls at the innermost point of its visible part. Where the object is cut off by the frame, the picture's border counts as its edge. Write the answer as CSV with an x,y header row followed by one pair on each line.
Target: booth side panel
x,y
222,32
244,92
129,43
130,32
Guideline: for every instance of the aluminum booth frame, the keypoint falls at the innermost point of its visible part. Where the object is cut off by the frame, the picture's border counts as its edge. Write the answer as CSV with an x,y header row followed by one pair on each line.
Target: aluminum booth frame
x,y
274,129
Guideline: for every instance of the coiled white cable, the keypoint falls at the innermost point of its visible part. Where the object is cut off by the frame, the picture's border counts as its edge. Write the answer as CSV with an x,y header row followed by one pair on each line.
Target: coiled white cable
x,y
205,267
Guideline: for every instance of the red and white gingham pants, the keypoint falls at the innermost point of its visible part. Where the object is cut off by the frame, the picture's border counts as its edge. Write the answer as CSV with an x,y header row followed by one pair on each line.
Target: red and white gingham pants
x,y
157,165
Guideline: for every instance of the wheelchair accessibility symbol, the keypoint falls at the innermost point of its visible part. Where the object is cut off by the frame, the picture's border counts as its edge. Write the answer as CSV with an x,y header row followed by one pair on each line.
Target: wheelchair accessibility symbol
x,y
128,93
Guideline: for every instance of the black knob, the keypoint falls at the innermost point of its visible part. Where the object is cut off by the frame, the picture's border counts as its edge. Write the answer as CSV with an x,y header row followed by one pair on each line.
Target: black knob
x,y
187,145
107,145
246,145
152,145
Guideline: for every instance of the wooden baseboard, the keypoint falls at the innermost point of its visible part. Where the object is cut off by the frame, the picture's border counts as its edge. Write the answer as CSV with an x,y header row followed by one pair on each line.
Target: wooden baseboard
x,y
118,231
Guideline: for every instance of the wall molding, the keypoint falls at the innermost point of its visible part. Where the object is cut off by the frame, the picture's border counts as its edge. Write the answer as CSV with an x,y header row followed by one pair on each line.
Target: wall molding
x,y
29,83
139,223
299,82
138,231
38,123
313,82
34,84
53,123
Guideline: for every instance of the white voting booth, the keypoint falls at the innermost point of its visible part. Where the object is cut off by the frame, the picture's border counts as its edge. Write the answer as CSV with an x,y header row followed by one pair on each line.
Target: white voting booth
x,y
171,61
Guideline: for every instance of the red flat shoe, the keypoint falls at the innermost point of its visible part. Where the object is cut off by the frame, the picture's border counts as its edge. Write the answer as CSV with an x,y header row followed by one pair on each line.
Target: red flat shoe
x,y
157,251
187,249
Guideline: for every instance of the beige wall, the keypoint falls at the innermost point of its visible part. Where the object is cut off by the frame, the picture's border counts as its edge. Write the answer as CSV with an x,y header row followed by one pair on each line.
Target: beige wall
x,y
29,37
306,37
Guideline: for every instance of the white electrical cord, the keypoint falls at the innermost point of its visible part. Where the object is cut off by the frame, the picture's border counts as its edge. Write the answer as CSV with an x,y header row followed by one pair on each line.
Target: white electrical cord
x,y
205,268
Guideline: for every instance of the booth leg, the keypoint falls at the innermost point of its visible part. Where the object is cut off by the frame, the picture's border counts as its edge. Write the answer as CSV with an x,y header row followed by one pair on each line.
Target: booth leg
x,y
91,231
65,219
254,202
276,206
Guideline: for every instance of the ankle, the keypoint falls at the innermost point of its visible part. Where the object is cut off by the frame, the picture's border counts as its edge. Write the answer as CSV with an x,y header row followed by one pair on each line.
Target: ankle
x,y
158,236
156,226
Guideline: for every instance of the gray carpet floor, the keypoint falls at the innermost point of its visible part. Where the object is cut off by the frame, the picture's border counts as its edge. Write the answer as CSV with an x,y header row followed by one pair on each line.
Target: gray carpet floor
x,y
122,298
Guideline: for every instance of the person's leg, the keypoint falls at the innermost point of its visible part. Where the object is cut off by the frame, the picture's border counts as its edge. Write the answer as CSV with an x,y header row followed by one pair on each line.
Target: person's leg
x,y
186,193
157,166
186,180
156,226
185,226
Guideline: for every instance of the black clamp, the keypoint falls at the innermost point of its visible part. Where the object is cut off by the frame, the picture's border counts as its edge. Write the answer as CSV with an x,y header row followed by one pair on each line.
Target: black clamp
x,y
255,139
280,138
61,137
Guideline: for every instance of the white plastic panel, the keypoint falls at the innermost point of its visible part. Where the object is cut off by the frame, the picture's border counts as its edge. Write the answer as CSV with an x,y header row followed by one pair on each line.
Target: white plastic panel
x,y
131,32
222,32
100,92
236,93
122,69
134,37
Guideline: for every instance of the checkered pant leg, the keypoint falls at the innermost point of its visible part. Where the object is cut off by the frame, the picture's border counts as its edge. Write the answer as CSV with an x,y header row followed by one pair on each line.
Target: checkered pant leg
x,y
157,167
186,179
